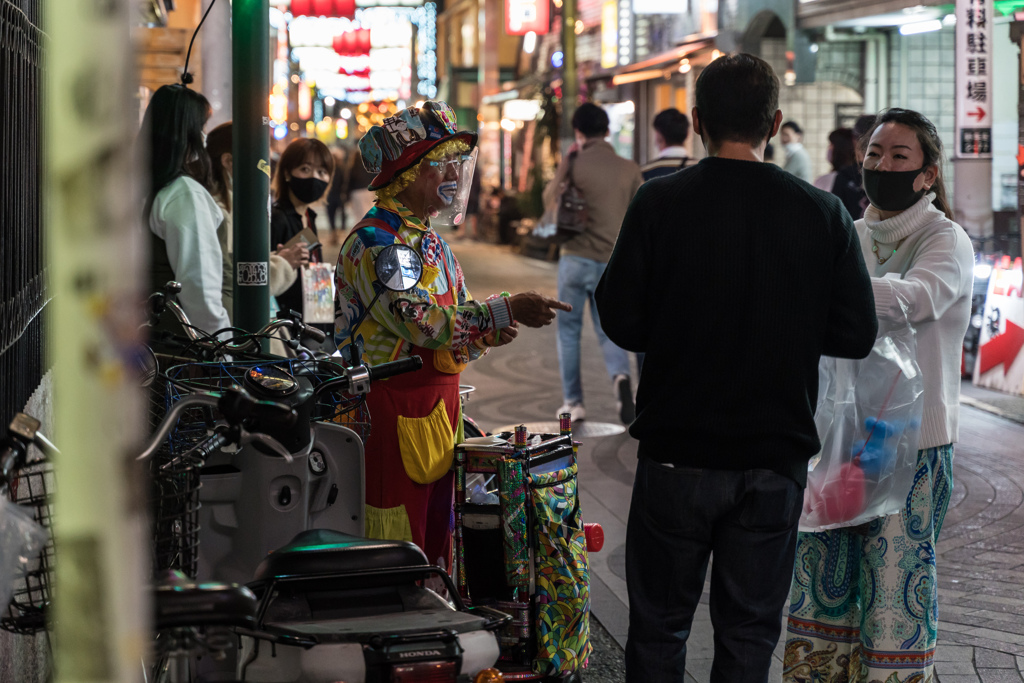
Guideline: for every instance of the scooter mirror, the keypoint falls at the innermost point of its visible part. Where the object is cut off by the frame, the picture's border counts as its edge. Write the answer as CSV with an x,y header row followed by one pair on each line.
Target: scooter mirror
x,y
398,267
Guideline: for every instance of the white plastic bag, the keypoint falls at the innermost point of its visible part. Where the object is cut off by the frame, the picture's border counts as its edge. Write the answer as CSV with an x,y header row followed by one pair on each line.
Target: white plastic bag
x,y
21,541
869,420
318,293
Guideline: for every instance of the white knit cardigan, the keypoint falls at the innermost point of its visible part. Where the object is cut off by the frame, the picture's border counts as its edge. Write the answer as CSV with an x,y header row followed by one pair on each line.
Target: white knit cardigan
x,y
935,270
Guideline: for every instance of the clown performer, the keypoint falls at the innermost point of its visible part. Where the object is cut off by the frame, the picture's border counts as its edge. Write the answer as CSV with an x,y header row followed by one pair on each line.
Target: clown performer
x,y
423,168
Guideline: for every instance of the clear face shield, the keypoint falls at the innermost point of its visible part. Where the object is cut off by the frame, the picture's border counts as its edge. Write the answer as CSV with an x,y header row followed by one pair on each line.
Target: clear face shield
x,y
454,194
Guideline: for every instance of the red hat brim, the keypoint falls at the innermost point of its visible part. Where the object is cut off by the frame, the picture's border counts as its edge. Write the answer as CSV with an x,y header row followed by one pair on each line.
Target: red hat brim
x,y
412,155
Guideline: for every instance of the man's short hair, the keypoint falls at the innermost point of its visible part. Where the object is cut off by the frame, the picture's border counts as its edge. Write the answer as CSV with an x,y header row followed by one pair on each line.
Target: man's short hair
x,y
590,120
793,126
737,97
673,125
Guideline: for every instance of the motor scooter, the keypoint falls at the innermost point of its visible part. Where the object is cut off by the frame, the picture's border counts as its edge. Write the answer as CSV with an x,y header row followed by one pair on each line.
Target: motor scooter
x,y
288,522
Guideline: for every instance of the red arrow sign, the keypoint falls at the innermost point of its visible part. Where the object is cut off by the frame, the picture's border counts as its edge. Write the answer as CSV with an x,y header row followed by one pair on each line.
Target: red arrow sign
x,y
979,113
1002,348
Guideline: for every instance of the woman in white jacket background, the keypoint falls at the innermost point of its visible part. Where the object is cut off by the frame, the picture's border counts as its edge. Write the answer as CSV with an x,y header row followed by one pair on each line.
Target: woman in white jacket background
x,y
180,212
864,604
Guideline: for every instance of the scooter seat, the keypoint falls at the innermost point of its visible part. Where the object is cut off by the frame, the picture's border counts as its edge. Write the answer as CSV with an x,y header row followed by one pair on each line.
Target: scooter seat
x,y
320,552
180,602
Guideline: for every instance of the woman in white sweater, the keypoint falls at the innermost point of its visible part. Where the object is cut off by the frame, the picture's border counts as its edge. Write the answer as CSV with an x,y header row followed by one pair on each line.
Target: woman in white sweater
x,y
864,604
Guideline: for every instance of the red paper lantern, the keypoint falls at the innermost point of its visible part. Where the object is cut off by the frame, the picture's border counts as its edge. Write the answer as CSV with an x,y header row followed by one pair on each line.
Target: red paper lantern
x,y
345,8
348,43
352,43
323,8
301,8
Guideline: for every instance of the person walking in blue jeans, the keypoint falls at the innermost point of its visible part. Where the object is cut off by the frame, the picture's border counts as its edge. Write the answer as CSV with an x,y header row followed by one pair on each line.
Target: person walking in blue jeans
x,y
726,425
608,183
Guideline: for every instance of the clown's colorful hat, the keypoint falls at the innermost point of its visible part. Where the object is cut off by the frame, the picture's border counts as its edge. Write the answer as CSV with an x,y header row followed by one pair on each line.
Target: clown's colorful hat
x,y
405,138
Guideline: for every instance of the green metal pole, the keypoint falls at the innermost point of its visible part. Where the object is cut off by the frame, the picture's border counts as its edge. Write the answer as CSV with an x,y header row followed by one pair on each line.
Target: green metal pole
x,y
250,158
570,87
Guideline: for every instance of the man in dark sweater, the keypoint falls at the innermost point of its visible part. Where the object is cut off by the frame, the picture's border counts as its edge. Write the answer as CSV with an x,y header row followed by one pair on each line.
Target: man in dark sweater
x,y
733,277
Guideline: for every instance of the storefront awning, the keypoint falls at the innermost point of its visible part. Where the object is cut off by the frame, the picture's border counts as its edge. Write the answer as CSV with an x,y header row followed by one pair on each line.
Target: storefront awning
x,y
818,13
658,65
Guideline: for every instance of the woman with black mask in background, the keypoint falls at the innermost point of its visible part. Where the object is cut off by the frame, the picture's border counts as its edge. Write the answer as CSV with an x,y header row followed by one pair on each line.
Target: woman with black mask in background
x,y
301,179
181,215
284,263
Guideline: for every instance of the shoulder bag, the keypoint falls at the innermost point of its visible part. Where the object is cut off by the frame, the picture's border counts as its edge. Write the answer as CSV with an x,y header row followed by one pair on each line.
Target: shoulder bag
x,y
571,217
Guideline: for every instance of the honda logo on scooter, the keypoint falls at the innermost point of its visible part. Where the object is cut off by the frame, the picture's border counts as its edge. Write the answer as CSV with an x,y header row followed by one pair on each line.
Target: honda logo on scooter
x,y
421,653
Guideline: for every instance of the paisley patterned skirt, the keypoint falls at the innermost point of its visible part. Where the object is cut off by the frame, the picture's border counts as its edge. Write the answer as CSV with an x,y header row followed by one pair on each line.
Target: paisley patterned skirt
x,y
864,602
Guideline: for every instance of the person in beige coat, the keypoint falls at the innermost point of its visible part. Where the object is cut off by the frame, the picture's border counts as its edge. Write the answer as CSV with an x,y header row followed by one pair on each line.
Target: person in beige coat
x,y
608,183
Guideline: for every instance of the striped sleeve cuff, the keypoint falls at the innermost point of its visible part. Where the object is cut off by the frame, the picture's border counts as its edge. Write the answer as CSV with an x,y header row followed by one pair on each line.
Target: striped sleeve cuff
x,y
501,312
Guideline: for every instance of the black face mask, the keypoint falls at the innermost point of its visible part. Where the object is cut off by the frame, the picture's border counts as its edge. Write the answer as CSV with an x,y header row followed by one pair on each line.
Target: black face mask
x,y
307,190
892,190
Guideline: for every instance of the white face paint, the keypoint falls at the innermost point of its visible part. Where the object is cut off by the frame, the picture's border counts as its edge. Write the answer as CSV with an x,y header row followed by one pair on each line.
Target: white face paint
x,y
447,190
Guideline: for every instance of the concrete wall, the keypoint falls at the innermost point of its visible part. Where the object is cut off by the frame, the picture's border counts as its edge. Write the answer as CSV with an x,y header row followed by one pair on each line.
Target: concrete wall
x,y
814,105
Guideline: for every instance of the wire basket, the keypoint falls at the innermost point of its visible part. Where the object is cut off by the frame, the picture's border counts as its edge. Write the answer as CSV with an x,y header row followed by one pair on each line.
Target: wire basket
x,y
174,484
26,612
175,476
338,407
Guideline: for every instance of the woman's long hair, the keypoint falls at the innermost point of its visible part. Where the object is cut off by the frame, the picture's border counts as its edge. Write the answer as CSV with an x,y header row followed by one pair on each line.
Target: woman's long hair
x,y
931,145
173,127
218,143
842,148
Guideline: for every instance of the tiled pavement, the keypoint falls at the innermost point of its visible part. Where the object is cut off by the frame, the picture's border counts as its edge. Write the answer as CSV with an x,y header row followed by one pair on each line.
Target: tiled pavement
x,y
980,554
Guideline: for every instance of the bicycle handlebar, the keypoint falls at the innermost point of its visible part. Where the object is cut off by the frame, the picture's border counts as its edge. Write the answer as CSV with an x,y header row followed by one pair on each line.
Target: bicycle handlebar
x,y
237,405
359,377
163,300
395,367
22,432
171,419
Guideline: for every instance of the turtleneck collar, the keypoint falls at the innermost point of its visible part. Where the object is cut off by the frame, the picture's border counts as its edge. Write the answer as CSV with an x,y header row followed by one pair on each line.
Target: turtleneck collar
x,y
902,224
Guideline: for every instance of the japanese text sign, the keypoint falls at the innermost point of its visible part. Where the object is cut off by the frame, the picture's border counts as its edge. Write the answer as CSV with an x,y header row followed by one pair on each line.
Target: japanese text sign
x,y
974,79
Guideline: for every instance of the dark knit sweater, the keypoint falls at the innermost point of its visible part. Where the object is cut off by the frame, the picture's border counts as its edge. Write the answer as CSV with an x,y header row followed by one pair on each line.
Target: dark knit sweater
x,y
734,277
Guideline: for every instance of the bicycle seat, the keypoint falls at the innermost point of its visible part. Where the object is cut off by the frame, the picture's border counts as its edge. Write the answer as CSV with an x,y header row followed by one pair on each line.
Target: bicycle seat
x,y
319,552
181,602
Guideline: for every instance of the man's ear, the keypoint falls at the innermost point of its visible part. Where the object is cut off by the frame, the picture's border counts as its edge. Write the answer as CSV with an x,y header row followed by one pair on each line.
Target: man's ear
x,y
695,117
776,125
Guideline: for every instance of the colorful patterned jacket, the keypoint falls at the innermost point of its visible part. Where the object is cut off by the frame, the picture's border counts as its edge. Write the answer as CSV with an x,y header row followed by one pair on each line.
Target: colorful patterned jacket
x,y
401,320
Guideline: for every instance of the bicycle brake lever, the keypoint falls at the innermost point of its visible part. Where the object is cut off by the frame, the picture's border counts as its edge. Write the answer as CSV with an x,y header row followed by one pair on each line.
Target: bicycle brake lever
x,y
271,443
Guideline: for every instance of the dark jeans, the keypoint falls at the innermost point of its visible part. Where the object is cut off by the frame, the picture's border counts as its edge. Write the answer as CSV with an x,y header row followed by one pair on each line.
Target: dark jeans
x,y
678,517
336,208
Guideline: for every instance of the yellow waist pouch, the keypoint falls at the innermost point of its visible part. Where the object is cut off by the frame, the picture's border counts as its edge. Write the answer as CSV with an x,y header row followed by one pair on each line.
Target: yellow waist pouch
x,y
444,361
427,445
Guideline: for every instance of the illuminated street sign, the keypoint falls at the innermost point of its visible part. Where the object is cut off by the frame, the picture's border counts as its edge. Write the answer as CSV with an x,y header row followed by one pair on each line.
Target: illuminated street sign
x,y
523,16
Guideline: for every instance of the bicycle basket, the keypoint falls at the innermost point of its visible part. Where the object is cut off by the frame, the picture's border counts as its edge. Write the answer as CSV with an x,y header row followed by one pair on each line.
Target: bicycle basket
x,y
26,612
